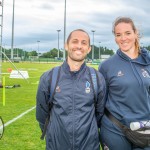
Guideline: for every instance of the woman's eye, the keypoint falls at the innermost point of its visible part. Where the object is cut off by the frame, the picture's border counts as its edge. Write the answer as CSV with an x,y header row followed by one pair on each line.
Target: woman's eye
x,y
74,41
128,33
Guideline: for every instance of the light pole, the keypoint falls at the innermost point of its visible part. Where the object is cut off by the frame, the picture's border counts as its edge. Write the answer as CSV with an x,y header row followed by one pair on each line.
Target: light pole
x,y
12,40
17,53
1,35
93,46
58,43
38,48
64,53
99,51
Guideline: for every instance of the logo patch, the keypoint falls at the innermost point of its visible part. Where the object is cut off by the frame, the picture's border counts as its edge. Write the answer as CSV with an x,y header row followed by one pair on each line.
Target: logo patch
x,y
57,89
120,73
87,87
145,73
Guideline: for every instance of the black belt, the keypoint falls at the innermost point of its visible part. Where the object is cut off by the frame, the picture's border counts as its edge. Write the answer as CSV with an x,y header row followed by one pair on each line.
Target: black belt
x,y
113,119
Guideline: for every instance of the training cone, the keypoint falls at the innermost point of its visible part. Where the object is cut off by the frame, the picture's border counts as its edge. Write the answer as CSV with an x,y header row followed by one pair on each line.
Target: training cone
x,y
9,69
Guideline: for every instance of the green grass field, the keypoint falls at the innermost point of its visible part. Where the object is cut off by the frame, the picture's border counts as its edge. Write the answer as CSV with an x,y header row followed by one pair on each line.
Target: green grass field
x,y
24,133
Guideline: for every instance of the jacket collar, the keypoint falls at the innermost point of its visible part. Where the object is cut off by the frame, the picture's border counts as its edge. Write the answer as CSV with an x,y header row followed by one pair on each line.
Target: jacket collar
x,y
66,68
144,54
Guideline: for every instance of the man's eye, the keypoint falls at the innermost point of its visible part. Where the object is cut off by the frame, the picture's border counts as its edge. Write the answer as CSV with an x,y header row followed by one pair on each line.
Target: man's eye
x,y
118,35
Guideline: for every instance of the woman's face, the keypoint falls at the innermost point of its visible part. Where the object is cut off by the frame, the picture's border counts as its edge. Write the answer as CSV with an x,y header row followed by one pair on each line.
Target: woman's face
x,y
125,37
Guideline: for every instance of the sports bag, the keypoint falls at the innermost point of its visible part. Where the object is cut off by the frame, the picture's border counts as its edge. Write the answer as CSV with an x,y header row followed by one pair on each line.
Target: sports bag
x,y
139,139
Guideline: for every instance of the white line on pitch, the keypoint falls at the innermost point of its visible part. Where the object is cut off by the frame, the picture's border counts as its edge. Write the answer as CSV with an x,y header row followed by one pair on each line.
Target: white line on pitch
x,y
21,115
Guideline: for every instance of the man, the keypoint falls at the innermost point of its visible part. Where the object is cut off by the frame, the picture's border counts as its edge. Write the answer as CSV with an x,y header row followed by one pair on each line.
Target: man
x,y
73,121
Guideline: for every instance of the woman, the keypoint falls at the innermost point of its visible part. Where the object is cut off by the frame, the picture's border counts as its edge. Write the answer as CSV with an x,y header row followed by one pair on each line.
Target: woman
x,y
127,74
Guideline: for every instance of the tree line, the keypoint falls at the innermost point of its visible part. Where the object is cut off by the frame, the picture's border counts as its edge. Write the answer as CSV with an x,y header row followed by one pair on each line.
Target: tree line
x,y
53,53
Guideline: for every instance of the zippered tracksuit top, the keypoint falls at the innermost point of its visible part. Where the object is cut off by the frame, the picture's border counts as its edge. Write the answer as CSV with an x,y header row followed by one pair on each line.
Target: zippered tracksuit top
x,y
73,123
128,88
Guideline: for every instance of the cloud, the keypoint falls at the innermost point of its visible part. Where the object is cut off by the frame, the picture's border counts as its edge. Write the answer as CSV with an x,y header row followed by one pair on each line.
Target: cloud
x,y
39,20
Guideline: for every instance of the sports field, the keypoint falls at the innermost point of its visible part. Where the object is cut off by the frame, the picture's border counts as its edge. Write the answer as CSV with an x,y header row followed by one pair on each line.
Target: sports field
x,y
22,133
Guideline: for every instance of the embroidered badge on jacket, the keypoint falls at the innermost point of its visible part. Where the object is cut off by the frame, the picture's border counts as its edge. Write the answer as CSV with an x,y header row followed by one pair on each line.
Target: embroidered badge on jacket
x,y
145,73
87,87
120,73
57,89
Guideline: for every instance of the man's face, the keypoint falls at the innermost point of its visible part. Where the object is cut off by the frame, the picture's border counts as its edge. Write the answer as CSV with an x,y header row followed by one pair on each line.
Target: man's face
x,y
78,46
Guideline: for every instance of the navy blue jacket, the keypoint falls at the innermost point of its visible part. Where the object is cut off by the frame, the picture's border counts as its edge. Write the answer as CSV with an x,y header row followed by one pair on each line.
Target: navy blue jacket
x,y
128,88
73,123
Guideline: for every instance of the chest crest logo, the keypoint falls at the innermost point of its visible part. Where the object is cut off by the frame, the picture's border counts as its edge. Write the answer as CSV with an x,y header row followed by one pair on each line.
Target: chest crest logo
x,y
87,87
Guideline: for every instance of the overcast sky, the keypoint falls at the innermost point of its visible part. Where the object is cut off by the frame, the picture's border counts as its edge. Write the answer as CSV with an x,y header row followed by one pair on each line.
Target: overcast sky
x,y
39,20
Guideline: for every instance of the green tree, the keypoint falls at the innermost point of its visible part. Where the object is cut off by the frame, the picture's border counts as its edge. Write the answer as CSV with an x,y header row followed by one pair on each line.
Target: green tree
x,y
32,53
103,51
52,53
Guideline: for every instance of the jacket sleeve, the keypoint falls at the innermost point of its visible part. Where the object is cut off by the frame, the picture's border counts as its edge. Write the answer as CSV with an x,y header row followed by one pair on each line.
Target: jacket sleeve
x,y
101,98
42,99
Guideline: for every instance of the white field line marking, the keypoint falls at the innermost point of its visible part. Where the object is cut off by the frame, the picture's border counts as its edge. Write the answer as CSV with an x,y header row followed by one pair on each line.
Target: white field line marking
x,y
21,115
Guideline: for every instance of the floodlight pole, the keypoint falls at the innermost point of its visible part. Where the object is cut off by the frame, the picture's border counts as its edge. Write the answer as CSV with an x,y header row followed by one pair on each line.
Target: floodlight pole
x,y
93,46
58,43
1,26
99,51
12,40
38,48
64,53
